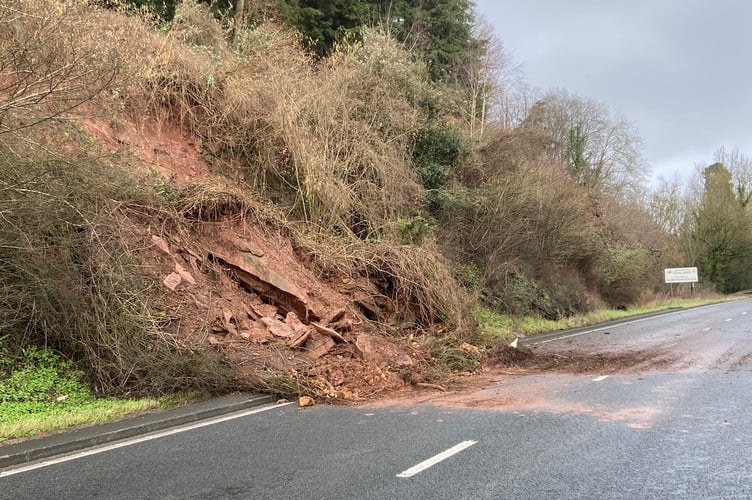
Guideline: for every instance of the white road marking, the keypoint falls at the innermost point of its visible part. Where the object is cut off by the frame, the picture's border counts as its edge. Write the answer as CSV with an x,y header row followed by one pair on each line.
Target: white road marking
x,y
135,440
706,329
601,378
425,464
744,313
614,326
593,330
729,320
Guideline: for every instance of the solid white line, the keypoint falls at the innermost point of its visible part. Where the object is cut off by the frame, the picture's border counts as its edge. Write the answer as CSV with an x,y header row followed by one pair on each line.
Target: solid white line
x,y
593,330
601,378
609,327
436,459
136,440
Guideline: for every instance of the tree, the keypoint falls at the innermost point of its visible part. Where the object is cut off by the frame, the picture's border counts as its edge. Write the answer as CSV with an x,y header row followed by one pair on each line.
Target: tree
x,y
50,62
601,151
441,30
668,206
488,78
723,233
740,168
324,22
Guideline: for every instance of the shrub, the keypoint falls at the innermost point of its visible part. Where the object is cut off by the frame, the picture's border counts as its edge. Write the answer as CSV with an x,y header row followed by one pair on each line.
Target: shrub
x,y
519,295
436,153
624,272
413,231
38,376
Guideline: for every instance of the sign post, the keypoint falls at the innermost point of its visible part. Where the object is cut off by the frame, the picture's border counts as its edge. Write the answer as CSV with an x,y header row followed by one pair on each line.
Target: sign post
x,y
681,275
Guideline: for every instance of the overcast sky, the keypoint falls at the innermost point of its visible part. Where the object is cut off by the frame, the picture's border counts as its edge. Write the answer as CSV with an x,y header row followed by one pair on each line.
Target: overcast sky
x,y
679,70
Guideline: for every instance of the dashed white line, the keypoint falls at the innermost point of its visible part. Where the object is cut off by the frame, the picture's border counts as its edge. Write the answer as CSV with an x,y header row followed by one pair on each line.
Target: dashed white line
x,y
744,313
601,378
706,329
425,464
729,320
135,440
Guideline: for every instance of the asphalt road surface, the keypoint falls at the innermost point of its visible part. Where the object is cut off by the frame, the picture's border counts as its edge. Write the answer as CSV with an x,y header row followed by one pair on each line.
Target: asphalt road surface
x,y
680,427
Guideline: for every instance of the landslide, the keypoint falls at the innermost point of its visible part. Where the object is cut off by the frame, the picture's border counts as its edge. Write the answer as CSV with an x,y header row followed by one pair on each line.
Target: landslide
x,y
183,213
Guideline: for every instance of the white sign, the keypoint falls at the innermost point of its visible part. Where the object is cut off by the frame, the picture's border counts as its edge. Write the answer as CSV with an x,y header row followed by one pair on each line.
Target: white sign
x,y
681,275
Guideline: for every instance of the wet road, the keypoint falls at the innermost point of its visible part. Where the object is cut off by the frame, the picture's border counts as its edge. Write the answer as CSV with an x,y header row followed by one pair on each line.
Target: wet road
x,y
678,429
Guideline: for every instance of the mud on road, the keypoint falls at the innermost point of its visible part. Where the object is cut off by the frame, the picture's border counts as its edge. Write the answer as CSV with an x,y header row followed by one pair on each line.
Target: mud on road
x,y
546,358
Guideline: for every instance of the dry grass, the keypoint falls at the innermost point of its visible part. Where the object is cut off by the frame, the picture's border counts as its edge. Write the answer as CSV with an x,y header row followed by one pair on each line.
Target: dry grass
x,y
330,141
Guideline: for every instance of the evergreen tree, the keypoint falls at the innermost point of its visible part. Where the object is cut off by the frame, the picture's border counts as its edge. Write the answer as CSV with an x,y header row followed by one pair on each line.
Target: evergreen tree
x,y
323,22
440,29
723,233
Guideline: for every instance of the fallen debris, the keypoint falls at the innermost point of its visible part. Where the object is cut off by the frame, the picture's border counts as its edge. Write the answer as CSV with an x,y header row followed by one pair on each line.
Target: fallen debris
x,y
257,276
172,281
317,345
184,274
161,244
278,328
431,386
329,332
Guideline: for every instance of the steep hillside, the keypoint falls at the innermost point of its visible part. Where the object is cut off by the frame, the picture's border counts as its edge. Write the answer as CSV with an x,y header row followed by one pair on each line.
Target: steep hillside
x,y
235,276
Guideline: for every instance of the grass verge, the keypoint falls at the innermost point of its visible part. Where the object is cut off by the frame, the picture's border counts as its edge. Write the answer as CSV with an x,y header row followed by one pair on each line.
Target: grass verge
x,y
42,392
500,327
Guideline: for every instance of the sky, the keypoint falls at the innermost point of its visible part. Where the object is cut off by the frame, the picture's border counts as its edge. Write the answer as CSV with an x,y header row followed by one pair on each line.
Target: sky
x,y
679,70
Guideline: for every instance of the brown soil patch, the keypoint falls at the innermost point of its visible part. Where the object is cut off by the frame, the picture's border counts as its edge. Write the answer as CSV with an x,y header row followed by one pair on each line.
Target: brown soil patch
x,y
207,301
158,144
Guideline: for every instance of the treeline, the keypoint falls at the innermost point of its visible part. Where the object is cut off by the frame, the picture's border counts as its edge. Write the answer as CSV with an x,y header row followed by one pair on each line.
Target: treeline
x,y
709,221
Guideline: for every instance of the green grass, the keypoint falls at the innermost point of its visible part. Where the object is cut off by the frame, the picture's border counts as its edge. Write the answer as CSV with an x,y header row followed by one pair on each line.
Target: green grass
x,y
21,420
40,392
501,327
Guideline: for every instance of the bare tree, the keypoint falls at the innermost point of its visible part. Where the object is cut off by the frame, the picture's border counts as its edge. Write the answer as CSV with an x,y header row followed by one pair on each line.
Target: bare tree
x,y
601,150
50,62
495,84
668,205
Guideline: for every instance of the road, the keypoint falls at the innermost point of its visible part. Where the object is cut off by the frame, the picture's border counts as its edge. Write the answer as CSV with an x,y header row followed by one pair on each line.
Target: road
x,y
677,429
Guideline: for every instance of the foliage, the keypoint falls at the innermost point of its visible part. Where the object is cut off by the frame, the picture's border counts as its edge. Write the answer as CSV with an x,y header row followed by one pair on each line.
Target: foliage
x,y
39,376
515,215
437,151
41,391
436,154
624,272
441,30
519,295
413,231
323,23
724,233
